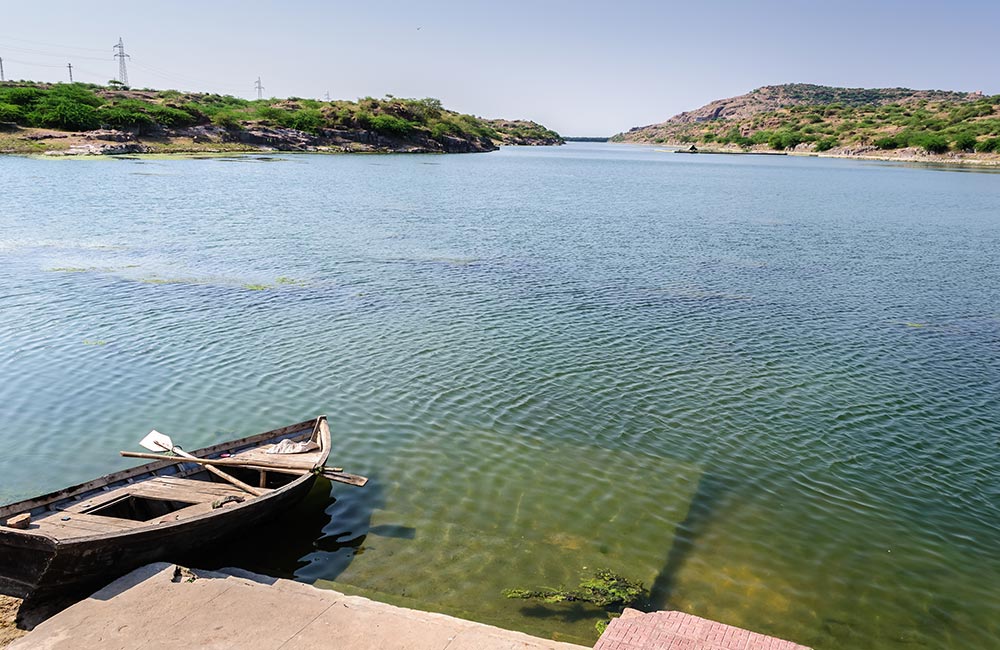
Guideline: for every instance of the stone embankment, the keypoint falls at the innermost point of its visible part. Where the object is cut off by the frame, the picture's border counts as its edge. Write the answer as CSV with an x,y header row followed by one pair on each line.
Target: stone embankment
x,y
162,606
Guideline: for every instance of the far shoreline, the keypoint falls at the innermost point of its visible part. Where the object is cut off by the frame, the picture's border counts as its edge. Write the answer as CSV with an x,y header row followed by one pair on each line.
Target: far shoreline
x,y
901,155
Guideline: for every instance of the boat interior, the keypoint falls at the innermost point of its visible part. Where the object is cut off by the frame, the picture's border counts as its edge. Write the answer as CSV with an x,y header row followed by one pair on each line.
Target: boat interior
x,y
169,491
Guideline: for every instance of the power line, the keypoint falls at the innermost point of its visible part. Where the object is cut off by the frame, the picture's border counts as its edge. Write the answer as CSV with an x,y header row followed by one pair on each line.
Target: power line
x,y
175,78
35,65
62,45
121,56
70,66
50,53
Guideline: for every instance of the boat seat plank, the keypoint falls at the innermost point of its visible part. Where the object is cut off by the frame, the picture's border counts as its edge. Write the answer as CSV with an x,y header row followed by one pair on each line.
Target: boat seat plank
x,y
192,486
160,487
292,461
81,525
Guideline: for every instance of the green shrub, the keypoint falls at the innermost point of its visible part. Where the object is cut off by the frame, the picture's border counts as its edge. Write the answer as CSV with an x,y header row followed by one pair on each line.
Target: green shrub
x,y
21,96
11,113
965,142
171,117
270,114
123,117
826,144
75,93
363,118
988,145
440,129
229,119
733,136
781,140
888,142
64,114
424,109
308,119
391,124
933,143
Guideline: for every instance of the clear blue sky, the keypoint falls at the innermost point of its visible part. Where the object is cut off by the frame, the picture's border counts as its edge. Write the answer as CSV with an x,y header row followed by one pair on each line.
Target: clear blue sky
x,y
583,68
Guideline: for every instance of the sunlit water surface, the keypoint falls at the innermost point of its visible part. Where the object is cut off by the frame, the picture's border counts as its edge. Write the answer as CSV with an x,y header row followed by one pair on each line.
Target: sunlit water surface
x,y
766,387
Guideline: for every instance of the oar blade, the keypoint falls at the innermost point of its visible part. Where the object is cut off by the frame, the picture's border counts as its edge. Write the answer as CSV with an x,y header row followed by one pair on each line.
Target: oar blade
x,y
343,477
156,441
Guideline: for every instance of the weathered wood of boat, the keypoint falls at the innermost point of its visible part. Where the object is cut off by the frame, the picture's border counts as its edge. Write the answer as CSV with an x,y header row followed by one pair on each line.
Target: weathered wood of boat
x,y
86,535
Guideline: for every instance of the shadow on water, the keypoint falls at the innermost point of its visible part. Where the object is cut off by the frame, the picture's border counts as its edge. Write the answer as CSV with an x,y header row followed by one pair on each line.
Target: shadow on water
x,y
317,539
712,490
566,612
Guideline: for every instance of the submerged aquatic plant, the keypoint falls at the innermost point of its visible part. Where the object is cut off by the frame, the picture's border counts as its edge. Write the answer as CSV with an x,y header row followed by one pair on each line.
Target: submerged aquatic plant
x,y
605,588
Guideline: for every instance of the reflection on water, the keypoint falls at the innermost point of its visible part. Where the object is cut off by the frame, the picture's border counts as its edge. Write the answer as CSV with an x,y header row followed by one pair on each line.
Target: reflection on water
x,y
765,387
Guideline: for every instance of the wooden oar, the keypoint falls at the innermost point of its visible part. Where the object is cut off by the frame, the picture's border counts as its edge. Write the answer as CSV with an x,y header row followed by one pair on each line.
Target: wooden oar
x,y
333,474
156,441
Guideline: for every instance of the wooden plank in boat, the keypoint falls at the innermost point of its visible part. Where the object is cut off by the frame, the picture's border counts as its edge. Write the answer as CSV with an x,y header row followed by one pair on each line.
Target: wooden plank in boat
x,y
183,494
194,487
291,461
82,525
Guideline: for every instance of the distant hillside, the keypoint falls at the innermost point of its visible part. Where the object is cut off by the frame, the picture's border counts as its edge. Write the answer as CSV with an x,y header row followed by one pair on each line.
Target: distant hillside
x,y
83,118
806,117
770,98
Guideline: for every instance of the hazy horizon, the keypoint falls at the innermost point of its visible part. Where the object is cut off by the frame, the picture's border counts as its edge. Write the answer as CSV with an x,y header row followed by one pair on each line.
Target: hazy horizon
x,y
579,68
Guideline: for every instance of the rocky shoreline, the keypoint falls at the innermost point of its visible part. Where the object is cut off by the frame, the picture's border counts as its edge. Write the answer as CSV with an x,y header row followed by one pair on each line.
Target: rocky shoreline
x,y
908,154
212,138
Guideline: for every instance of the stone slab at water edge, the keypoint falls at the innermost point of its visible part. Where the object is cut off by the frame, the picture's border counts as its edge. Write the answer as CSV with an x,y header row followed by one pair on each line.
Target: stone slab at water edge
x,y
164,606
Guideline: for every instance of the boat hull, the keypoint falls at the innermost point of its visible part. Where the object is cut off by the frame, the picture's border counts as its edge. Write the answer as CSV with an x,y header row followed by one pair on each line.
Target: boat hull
x,y
37,566
84,565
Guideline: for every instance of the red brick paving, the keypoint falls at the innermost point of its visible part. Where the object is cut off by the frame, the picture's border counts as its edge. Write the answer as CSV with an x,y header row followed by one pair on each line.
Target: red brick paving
x,y
679,631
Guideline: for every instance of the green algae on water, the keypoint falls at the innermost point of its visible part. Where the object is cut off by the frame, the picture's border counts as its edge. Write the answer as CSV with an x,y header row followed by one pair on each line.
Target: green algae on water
x,y
160,281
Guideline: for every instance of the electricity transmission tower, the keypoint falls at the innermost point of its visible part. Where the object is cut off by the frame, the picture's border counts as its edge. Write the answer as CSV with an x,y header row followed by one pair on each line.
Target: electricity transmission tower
x,y
70,66
260,89
121,56
1,69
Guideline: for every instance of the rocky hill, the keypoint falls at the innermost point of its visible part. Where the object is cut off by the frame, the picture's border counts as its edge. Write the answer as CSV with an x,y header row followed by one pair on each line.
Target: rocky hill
x,y
81,118
846,121
770,98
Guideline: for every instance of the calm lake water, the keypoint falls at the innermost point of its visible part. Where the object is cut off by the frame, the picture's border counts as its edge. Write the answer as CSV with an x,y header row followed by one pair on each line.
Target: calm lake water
x,y
767,387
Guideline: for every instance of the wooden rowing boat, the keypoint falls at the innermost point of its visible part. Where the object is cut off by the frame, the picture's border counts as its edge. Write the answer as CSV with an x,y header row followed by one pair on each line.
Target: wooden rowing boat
x,y
83,536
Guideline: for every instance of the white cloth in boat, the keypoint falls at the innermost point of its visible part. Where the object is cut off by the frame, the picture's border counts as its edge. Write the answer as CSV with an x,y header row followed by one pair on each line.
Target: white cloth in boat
x,y
288,447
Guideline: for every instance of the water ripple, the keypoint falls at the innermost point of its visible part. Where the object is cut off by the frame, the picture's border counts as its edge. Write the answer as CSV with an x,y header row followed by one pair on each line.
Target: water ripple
x,y
779,413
